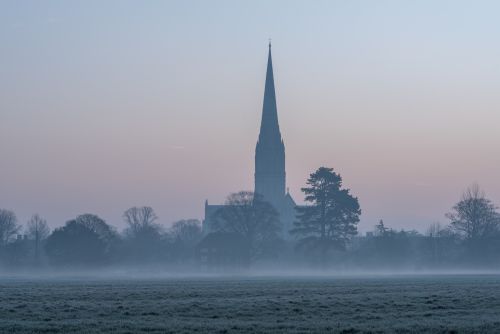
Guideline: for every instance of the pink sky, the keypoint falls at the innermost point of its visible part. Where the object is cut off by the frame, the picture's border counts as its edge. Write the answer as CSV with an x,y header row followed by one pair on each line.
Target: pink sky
x,y
102,109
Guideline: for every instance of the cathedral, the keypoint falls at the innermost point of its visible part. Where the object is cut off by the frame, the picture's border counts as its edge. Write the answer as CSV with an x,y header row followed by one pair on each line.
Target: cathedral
x,y
270,174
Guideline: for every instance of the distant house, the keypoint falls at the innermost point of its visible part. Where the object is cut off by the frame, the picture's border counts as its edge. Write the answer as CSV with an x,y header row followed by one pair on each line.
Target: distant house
x,y
223,251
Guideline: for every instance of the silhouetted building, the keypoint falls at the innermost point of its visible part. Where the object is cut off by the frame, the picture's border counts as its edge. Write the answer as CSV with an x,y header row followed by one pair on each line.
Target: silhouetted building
x,y
270,174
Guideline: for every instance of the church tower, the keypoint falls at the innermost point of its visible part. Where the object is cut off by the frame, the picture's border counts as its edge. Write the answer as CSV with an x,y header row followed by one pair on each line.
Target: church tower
x,y
270,176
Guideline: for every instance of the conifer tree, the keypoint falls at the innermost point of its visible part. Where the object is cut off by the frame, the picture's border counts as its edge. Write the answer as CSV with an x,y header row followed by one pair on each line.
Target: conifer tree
x,y
331,216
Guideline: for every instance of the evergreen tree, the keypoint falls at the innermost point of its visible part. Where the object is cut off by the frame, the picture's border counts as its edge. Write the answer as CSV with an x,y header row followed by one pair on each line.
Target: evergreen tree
x,y
331,217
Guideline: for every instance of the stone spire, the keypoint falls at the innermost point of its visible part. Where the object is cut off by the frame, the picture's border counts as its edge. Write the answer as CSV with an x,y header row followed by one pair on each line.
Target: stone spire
x,y
269,127
270,150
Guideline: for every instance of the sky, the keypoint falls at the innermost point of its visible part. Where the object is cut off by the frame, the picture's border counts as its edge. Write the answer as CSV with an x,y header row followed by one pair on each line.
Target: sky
x,y
106,105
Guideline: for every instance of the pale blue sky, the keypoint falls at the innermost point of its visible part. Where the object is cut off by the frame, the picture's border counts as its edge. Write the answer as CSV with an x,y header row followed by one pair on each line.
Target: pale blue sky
x,y
109,104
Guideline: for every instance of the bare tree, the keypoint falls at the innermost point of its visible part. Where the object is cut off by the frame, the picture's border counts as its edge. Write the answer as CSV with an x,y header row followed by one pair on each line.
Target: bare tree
x,y
185,235
187,230
249,215
474,216
37,230
97,225
435,230
140,219
144,239
8,226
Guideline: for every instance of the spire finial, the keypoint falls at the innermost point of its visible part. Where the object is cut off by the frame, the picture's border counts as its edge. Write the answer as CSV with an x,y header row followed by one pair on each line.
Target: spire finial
x,y
269,43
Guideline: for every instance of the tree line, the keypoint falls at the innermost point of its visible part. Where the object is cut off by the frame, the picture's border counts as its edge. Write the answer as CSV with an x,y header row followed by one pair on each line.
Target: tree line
x,y
324,235
88,241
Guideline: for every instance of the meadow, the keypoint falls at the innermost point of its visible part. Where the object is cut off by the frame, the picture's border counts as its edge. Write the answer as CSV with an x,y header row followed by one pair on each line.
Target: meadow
x,y
397,304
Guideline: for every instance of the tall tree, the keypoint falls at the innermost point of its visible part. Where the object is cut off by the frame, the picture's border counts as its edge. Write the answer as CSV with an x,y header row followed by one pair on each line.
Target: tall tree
x,y
84,241
185,235
140,220
8,226
247,214
331,217
144,239
474,216
98,226
37,230
188,231
380,229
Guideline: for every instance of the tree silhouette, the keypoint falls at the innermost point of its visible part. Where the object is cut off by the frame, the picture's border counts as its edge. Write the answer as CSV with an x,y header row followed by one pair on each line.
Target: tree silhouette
x,y
140,221
185,235
188,231
474,216
143,237
380,228
8,226
247,214
331,217
37,230
84,241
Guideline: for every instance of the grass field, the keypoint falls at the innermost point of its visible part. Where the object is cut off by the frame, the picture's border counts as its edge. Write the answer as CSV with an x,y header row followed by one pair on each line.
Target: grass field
x,y
401,304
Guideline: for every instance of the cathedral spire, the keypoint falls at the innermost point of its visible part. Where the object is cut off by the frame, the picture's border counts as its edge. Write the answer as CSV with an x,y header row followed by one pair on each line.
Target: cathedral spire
x,y
270,150
269,127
